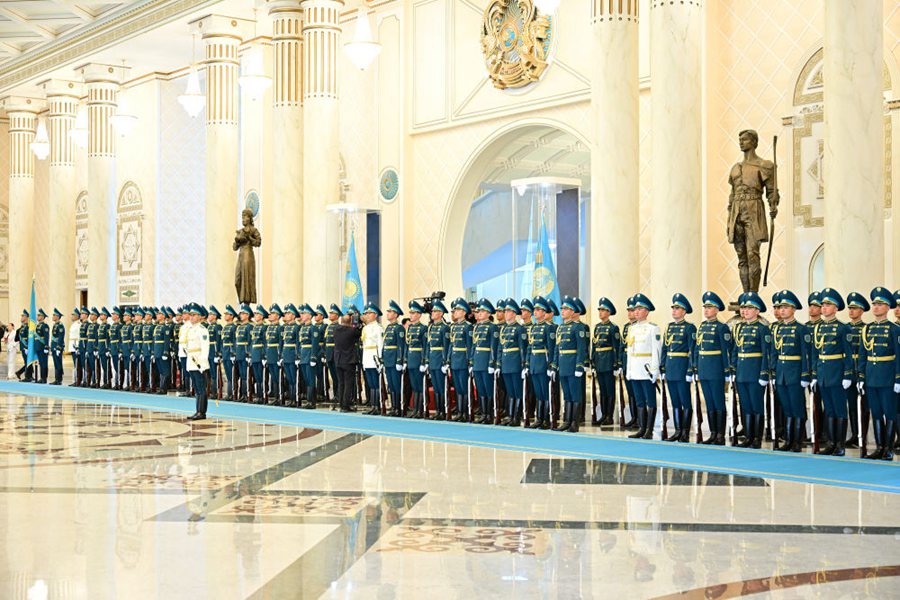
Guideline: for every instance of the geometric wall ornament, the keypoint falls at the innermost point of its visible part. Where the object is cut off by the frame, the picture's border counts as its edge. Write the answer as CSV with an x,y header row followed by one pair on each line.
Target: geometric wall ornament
x,y
515,41
389,184
251,201
81,240
4,252
808,122
129,243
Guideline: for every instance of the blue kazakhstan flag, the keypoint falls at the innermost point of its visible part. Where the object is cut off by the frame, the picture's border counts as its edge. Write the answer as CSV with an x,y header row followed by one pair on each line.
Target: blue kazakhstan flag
x,y
544,281
352,283
32,325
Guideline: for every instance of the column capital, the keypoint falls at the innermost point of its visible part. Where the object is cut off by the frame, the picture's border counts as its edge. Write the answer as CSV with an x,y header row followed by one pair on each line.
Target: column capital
x,y
61,87
22,104
101,73
218,26
284,6
613,11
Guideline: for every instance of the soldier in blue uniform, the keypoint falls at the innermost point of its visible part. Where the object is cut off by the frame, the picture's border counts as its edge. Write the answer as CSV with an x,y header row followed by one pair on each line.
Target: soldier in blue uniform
x,y
84,378
789,361
226,357
103,348
526,308
879,371
242,341
814,304
890,442
115,347
147,343
632,422
460,357
539,356
485,342
606,346
214,331
832,369
334,313
126,338
857,304
712,365
273,353
93,353
511,356
570,360
310,353
393,356
553,386
290,353
437,357
162,356
258,351
320,324
57,346
41,346
752,338
678,345
416,341
22,337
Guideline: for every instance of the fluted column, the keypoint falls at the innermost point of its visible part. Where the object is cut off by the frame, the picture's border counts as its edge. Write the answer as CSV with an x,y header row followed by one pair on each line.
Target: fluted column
x,y
854,145
321,157
102,86
22,114
63,98
615,151
221,36
676,121
287,145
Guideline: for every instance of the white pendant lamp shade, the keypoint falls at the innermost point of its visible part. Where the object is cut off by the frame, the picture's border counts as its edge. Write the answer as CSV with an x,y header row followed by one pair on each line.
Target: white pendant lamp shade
x,y
192,100
41,144
123,122
363,50
254,82
79,133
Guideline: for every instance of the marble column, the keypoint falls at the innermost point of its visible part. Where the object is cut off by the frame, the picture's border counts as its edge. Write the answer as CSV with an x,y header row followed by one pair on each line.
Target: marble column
x,y
676,31
221,36
63,98
287,146
615,152
854,145
321,156
22,114
102,85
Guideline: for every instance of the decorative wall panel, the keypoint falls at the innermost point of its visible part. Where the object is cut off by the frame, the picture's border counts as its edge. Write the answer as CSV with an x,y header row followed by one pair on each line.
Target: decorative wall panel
x,y
81,242
129,243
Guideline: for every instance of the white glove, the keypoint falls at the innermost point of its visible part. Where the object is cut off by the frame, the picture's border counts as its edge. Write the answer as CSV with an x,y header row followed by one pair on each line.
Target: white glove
x,y
689,379
312,363
579,373
96,354
813,384
280,362
804,384
617,372
399,367
524,373
165,357
297,363
444,369
550,373
729,378
764,382
422,368
379,368
46,351
861,386
264,362
846,383
217,360
471,371
491,370
897,388
662,376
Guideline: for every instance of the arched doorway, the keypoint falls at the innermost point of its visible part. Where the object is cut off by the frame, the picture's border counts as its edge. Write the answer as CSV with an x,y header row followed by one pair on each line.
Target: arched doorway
x,y
490,231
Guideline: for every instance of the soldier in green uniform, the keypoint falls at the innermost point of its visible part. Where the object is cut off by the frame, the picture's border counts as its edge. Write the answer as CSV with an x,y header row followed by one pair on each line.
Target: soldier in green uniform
x,y
162,351
539,355
790,364
858,417
511,357
147,327
258,351
214,330
752,338
712,365
485,340
227,356
606,348
393,357
22,337
437,354
879,371
814,303
103,348
115,347
675,366
570,360
416,341
290,356
832,369
57,346
92,348
242,341
334,313
460,357
320,324
41,346
273,353
125,344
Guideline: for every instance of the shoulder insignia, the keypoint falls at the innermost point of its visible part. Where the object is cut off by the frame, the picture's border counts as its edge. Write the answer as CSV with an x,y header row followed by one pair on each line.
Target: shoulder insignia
x,y
401,333
807,338
616,334
768,339
496,334
552,335
727,337
581,334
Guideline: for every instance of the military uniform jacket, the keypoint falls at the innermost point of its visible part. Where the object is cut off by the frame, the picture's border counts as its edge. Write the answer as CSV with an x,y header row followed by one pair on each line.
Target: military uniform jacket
x,y
571,353
678,350
115,337
92,336
329,340
103,338
513,347
437,345
460,345
226,338
58,337
643,351
541,346
41,337
215,340
485,345
242,341
82,336
310,343
125,339
713,351
273,342
177,341
832,356
751,351
416,337
855,337
197,348
162,340
790,353
623,348
879,354
606,347
290,342
257,342
147,333
22,336
394,351
137,338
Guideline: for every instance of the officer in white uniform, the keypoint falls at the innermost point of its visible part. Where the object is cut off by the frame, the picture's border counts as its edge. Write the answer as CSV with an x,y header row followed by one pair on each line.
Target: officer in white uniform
x,y
372,343
643,351
197,349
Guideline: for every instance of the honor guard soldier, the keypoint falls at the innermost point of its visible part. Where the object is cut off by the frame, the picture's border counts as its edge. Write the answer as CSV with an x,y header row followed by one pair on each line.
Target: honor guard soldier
x,y
103,347
539,356
485,344
513,369
83,355
675,366
115,346
258,350
162,341
334,313
857,304
373,344
74,335
41,346
310,353
93,348
642,349
198,359
57,346
125,345
214,330
712,365
290,352
553,387
460,357
147,343
273,353
570,359
606,347
752,338
879,371
22,337
790,349
437,355
321,325
242,341
416,341
393,357
832,369
814,303
632,422
526,306
135,366
227,355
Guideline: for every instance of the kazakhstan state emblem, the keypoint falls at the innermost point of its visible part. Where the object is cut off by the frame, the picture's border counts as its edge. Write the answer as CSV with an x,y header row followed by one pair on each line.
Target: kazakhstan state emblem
x,y
350,289
543,282
515,40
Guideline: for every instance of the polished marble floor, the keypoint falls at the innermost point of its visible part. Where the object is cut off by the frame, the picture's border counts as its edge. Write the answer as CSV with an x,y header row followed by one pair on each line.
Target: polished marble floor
x,y
99,501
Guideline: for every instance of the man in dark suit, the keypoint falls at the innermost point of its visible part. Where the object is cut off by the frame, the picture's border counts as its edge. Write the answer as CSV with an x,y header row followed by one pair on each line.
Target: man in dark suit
x,y
346,359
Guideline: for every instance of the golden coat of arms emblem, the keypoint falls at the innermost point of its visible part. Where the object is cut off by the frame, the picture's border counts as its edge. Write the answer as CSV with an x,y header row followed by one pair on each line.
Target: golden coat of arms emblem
x,y
515,40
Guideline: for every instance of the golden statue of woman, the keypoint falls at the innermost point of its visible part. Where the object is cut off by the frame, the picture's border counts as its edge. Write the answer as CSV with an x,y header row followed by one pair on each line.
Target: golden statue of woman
x,y
245,239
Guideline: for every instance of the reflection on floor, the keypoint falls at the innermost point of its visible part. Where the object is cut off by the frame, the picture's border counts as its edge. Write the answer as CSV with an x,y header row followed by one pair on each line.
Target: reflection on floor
x,y
108,502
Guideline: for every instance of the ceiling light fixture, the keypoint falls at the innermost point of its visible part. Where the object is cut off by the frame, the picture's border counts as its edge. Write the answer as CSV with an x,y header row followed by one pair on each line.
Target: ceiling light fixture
x,y
192,100
79,133
254,81
41,144
364,49
122,121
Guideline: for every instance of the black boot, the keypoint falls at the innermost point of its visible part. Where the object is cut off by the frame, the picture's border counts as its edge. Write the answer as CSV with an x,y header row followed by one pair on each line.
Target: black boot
x,y
841,431
830,434
748,432
713,428
676,423
888,440
721,416
634,422
641,423
878,431
310,398
686,419
758,431
651,423
788,436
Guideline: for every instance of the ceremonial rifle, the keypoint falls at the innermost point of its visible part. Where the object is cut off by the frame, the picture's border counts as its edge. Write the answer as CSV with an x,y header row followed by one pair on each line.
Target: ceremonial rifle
x,y
594,397
622,400
699,412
